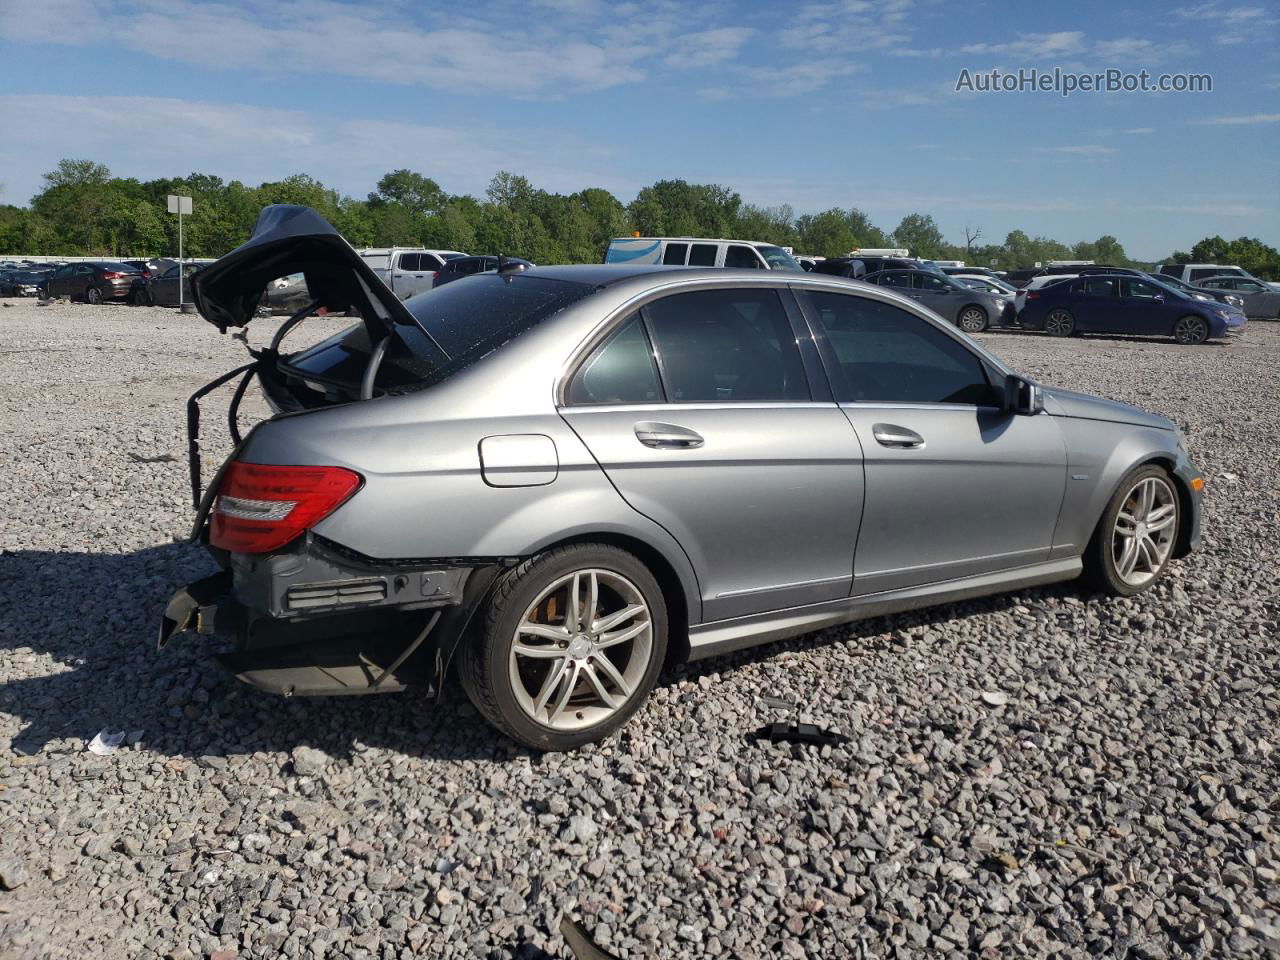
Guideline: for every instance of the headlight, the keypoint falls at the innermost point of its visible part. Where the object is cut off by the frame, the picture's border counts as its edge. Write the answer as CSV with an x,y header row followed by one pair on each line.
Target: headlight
x,y
1224,314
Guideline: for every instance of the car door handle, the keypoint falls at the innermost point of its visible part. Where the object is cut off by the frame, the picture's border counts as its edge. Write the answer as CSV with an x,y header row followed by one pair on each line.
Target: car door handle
x,y
891,435
667,435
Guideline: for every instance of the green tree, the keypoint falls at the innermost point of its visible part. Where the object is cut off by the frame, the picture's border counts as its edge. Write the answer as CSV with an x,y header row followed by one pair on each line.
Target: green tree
x,y
920,234
421,195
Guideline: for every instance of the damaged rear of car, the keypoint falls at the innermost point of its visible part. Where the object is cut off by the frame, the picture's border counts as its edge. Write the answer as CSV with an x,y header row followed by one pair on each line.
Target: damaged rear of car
x,y
305,607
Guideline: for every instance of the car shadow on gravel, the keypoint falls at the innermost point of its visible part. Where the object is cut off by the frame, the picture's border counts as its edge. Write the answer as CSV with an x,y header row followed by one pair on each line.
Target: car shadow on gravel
x,y
95,616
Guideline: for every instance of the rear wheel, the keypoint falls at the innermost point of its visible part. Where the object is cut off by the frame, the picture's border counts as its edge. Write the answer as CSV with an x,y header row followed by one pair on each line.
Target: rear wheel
x,y
1134,540
572,644
972,319
1059,323
1191,330
93,295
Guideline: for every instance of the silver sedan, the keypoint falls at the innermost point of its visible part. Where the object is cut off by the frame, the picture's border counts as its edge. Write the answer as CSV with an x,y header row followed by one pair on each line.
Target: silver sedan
x,y
563,478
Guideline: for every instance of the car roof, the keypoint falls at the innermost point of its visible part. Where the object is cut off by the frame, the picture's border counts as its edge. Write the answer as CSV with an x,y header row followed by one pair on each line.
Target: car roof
x,y
749,243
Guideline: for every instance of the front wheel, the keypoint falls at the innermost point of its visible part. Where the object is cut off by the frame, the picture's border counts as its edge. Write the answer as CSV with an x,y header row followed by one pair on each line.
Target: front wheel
x,y
972,320
572,644
1191,330
1059,323
1134,540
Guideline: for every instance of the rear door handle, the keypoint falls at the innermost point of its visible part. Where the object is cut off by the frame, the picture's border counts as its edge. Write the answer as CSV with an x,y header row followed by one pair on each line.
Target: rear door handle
x,y
892,435
671,435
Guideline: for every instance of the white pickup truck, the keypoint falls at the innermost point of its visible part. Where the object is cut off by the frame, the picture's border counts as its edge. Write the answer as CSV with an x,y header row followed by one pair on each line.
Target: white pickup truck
x,y
407,270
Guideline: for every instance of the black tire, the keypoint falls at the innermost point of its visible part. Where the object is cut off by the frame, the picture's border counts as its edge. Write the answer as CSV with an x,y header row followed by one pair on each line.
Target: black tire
x,y
1059,323
972,319
92,295
1100,566
1191,330
484,660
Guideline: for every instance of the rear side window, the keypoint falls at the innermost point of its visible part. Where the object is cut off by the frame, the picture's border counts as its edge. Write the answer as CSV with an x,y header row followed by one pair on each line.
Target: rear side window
x,y
742,258
726,346
1099,287
887,355
621,370
702,255
674,254
900,279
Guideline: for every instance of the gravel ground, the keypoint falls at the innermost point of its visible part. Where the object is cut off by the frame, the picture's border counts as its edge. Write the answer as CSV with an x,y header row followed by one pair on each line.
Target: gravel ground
x,y
1124,801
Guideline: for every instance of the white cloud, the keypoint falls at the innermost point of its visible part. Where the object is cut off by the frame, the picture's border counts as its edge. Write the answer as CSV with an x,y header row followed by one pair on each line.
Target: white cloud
x,y
148,137
1079,150
1140,130
707,47
1247,120
1031,46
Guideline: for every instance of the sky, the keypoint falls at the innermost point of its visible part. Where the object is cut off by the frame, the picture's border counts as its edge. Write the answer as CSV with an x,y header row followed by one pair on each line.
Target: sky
x,y
842,103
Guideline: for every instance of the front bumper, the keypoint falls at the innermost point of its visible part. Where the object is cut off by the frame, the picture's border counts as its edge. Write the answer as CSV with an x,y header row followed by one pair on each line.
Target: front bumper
x,y
1191,481
315,619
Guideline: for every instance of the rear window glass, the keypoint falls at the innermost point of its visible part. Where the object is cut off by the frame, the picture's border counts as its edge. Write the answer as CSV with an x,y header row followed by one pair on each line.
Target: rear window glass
x,y
468,320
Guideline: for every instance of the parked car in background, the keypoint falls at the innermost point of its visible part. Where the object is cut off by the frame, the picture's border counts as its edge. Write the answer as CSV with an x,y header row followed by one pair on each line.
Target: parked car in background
x,y
1260,300
970,310
861,265
992,285
1200,293
806,262
1193,273
700,252
146,267
92,282
973,272
162,291
1120,303
538,491
1038,282
20,283
407,270
460,267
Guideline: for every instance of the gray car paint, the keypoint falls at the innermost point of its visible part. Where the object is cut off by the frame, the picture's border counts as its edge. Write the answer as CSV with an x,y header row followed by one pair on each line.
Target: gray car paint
x,y
754,553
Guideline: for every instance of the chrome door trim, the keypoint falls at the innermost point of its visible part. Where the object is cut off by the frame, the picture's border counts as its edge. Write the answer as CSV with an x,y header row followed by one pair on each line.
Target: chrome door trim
x,y
781,586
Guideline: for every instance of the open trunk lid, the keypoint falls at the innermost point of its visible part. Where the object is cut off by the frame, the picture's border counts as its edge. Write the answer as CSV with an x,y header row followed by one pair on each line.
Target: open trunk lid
x,y
289,239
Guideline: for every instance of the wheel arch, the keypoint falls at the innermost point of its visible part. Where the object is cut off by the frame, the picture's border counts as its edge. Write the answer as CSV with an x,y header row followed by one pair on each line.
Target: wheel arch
x,y
1181,545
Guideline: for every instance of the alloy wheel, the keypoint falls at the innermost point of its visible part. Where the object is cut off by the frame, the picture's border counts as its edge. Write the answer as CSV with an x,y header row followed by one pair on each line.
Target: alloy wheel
x,y
581,650
1144,531
1059,323
1191,330
93,295
973,320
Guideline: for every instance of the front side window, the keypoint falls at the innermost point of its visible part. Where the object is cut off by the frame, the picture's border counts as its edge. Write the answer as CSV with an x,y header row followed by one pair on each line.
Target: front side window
x,y
1137,290
621,370
742,258
726,346
1099,287
702,255
900,279
1249,286
674,255
887,355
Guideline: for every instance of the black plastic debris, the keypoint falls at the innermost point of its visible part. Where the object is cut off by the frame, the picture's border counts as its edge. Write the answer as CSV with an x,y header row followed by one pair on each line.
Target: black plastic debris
x,y
580,943
793,732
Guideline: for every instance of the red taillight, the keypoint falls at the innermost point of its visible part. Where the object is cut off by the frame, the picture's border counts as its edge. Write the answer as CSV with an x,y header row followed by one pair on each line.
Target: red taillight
x,y
260,507
111,275
1033,294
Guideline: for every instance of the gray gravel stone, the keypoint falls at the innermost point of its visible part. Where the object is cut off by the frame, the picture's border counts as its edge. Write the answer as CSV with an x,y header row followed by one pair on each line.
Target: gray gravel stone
x,y
1121,802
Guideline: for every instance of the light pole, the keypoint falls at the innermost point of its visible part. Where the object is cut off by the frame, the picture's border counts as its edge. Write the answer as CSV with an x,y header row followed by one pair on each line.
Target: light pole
x,y
180,205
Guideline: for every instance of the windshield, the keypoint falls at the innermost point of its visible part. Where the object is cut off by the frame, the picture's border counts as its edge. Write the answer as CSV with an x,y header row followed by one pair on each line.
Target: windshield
x,y
778,259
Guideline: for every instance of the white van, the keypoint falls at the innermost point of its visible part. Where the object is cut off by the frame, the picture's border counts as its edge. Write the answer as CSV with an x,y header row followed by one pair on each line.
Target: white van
x,y
700,252
1193,273
407,270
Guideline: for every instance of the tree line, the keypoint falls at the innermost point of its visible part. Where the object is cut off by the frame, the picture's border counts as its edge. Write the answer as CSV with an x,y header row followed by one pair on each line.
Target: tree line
x,y
84,210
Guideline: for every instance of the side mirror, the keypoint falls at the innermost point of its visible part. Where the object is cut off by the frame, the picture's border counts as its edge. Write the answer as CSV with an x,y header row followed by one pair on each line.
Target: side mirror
x,y
1022,397
1159,298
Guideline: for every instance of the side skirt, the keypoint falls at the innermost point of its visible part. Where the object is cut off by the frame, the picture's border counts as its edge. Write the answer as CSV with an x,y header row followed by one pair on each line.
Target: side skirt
x,y
725,636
